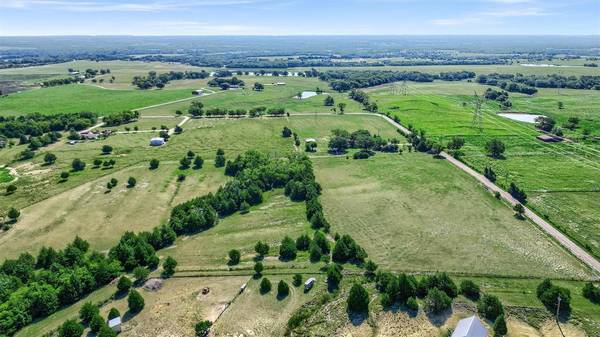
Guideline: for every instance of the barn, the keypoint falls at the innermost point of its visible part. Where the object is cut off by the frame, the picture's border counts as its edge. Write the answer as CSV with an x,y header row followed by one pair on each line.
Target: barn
x,y
157,141
470,327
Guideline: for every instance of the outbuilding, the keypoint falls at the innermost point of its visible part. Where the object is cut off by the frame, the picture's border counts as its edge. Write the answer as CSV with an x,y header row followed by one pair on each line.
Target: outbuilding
x,y
549,138
470,327
157,141
310,140
115,324
309,283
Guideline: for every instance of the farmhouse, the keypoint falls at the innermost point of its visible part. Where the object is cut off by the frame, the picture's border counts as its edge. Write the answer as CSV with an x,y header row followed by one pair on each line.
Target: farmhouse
x,y
115,324
157,141
309,283
549,138
470,327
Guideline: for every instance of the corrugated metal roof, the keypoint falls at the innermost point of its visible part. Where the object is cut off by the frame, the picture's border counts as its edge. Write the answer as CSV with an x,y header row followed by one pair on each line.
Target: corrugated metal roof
x,y
470,327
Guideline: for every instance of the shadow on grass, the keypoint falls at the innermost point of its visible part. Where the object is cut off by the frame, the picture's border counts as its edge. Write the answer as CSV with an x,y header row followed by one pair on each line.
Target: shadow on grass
x,y
439,319
357,318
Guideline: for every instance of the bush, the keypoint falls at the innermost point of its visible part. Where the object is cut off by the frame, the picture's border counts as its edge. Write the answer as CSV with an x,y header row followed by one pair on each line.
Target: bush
x,y
358,299
105,331
169,267
96,323
495,148
234,257
500,326
64,175
334,275
135,301
282,289
124,284
591,292
106,149
140,273
437,301
297,281
261,248
88,311
198,162
113,313
49,158
287,250
131,182
412,304
70,328
13,214
78,165
490,307
258,268
154,164
265,286
203,328
469,289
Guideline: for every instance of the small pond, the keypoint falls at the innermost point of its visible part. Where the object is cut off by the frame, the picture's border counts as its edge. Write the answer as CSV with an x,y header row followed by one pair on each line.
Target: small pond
x,y
527,118
308,94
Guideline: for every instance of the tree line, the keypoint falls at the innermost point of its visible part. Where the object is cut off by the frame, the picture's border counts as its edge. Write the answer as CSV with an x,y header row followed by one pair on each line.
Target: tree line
x,y
527,84
341,140
153,80
119,118
196,109
226,83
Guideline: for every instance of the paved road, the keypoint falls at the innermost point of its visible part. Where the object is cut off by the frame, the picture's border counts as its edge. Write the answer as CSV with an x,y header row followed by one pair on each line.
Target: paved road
x,y
579,252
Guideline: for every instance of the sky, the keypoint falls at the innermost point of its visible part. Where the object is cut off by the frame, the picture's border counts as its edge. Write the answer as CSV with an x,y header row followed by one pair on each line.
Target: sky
x,y
299,17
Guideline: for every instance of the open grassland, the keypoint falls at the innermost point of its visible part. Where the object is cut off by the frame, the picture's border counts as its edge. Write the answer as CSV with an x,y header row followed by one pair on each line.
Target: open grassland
x,y
569,168
77,97
412,212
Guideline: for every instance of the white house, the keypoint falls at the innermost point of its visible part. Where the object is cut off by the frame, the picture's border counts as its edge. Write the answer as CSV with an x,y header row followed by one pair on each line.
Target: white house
x,y
115,324
157,141
309,283
470,327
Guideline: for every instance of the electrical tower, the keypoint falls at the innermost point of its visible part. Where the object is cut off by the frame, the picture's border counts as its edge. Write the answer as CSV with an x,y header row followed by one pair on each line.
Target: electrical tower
x,y
477,114
404,88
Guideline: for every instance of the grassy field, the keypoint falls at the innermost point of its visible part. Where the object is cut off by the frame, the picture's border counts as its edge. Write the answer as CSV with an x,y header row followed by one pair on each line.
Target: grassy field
x,y
413,212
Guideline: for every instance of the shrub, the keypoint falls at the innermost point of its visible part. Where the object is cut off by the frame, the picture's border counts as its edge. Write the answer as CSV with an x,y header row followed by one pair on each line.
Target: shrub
x,y
131,182
287,250
106,149
500,326
469,289
412,304
303,242
154,164
198,162
261,248
64,175
78,165
88,311
49,158
169,267
591,292
113,313
265,286
495,148
105,331
135,301
358,299
437,301
258,268
70,328
13,214
282,289
203,328
234,257
96,323
490,307
140,273
334,275
124,284
297,281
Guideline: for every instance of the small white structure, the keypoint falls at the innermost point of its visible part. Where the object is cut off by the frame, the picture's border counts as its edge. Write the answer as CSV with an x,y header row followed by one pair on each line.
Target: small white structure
x,y
280,83
470,327
309,283
157,141
115,324
198,92
243,287
310,140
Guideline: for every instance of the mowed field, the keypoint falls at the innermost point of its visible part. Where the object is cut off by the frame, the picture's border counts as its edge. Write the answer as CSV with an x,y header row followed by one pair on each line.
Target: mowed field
x,y
561,178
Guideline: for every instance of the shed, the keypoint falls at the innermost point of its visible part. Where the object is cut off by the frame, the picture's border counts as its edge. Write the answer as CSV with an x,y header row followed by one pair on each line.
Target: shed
x,y
310,140
470,327
198,92
157,141
309,283
115,324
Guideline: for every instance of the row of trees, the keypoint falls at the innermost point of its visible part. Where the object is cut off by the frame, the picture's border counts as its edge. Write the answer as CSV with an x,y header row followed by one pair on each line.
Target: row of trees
x,y
196,109
119,118
159,81
37,124
342,140
226,83
527,83
61,81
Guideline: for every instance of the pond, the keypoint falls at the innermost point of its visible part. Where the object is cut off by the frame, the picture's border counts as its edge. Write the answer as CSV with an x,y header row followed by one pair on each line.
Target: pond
x,y
307,94
521,117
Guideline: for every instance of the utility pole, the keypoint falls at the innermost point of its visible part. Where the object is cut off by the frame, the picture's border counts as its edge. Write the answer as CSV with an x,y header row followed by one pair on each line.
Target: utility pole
x,y
558,299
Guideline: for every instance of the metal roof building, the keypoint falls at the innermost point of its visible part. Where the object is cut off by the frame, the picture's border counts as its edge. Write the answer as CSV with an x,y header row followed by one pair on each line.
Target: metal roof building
x,y
470,327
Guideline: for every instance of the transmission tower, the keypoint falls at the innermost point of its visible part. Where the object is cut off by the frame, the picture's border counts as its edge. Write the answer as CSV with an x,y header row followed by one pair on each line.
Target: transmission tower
x,y
477,115
404,88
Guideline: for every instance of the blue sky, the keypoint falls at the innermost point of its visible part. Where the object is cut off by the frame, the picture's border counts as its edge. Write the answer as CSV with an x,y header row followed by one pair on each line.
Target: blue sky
x,y
298,17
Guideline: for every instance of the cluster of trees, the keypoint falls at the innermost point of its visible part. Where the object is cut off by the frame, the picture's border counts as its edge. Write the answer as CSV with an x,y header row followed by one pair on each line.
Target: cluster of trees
x,y
60,81
517,193
548,293
342,140
119,118
343,80
226,83
37,124
159,81
591,292
32,288
362,98
495,148
419,141
498,96
530,82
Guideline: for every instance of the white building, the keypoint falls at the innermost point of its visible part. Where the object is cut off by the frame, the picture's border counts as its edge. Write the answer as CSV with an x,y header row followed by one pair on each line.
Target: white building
x,y
157,141
115,324
470,327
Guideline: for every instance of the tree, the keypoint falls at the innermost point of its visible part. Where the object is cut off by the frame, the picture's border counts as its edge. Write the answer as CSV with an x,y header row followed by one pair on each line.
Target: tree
x,y
124,284
78,165
412,304
456,143
258,87
517,193
469,289
265,286
500,326
495,148
338,144
234,257
88,311
286,132
358,299
141,274
96,323
135,301
13,214
10,189
287,250
169,267
106,149
303,242
437,301
185,163
261,248
334,275
198,162
297,280
341,107
519,210
203,328
489,174
329,101
490,307
49,158
591,292
105,331
64,175
97,162
549,293
131,182
70,328
258,268
220,158
154,164
113,313
282,289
